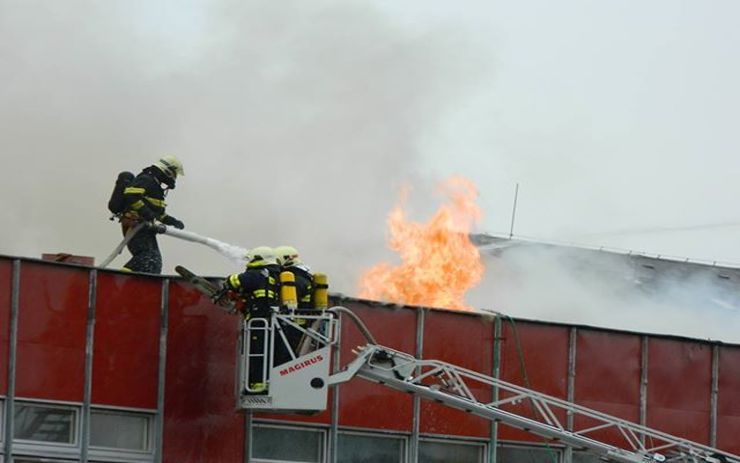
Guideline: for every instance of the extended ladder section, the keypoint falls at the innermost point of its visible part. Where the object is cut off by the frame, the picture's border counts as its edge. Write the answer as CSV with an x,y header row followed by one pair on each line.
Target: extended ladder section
x,y
525,409
301,384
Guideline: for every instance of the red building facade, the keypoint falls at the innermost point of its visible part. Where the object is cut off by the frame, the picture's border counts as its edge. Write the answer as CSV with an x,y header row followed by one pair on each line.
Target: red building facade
x,y
104,366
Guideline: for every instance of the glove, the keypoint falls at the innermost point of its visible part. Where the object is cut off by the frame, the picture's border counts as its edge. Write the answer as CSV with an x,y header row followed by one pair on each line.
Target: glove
x,y
146,214
155,227
224,294
169,220
218,295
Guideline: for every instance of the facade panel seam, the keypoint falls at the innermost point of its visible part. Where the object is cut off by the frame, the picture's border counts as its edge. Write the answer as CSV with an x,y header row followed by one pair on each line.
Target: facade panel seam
x,y
12,354
158,435
89,349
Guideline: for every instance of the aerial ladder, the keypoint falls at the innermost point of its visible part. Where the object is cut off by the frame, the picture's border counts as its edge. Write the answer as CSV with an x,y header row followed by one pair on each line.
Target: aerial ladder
x,y
301,384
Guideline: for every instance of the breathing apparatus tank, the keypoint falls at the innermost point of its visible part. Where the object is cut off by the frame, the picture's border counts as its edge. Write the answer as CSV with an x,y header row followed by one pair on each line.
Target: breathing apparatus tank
x,y
320,291
288,294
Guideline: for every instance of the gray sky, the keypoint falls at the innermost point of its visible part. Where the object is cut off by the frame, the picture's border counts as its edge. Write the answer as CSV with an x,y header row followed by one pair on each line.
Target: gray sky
x,y
298,121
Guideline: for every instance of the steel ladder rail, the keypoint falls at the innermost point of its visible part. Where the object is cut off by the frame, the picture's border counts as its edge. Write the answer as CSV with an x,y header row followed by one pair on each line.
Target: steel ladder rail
x,y
404,372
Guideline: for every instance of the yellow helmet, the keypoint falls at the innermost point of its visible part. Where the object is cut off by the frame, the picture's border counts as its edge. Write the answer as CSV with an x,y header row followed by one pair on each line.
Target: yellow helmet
x,y
260,256
170,166
287,255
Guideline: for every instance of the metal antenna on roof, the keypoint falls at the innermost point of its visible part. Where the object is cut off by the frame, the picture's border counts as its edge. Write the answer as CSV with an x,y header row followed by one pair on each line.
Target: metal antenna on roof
x,y
513,211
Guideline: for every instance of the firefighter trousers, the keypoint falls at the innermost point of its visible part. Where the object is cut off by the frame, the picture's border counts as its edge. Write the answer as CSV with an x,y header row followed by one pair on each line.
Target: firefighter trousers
x,y
144,249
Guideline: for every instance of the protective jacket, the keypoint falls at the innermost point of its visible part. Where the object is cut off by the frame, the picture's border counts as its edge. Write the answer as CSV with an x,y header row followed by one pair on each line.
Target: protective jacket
x,y
145,196
259,287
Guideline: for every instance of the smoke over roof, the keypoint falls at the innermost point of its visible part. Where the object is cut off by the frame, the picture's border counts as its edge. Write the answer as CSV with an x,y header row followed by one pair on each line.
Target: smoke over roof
x,y
296,122
606,289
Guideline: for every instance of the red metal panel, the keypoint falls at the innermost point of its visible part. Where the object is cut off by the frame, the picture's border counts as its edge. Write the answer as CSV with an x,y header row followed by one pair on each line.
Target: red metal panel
x,y
201,422
5,298
679,385
366,404
463,340
728,405
542,353
608,367
126,350
52,322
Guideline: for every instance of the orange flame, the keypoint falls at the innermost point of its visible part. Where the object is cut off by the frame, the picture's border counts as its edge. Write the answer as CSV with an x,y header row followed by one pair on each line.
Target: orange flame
x,y
439,263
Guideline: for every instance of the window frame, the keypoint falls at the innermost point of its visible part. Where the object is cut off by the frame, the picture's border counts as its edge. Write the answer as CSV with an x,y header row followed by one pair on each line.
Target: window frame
x,y
3,400
323,443
148,432
404,451
559,449
76,427
40,459
64,452
481,444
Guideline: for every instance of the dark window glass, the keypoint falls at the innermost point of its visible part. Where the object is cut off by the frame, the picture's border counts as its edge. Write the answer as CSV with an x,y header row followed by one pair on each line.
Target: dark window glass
x,y
361,448
527,455
585,457
445,452
44,423
38,460
119,430
287,444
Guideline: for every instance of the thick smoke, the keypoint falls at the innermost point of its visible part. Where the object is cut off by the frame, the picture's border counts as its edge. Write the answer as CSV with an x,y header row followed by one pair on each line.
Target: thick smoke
x,y
610,290
296,122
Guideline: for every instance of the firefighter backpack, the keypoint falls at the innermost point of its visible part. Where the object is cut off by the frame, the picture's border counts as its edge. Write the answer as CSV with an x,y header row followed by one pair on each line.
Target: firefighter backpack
x,y
117,202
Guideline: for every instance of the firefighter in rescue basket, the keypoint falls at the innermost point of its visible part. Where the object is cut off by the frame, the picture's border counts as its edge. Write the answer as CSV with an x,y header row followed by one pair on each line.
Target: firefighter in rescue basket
x,y
258,286
273,283
303,280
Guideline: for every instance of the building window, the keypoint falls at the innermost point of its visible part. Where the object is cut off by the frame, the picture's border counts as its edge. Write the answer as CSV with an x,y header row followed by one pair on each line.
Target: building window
x,y
528,454
586,457
437,451
45,423
365,448
270,443
38,460
119,430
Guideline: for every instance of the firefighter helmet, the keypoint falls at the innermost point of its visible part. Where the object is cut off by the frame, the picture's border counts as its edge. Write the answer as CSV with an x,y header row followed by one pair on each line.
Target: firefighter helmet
x,y
170,166
287,255
260,256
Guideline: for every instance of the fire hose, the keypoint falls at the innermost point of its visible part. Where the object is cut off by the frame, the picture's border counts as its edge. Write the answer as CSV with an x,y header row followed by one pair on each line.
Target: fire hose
x,y
230,251
126,238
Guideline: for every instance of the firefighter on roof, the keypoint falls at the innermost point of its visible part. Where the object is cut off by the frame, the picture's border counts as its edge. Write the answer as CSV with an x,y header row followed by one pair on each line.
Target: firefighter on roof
x,y
144,202
258,285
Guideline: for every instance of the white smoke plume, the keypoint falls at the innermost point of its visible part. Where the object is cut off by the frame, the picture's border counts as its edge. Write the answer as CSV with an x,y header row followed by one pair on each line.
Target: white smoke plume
x,y
595,288
296,122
